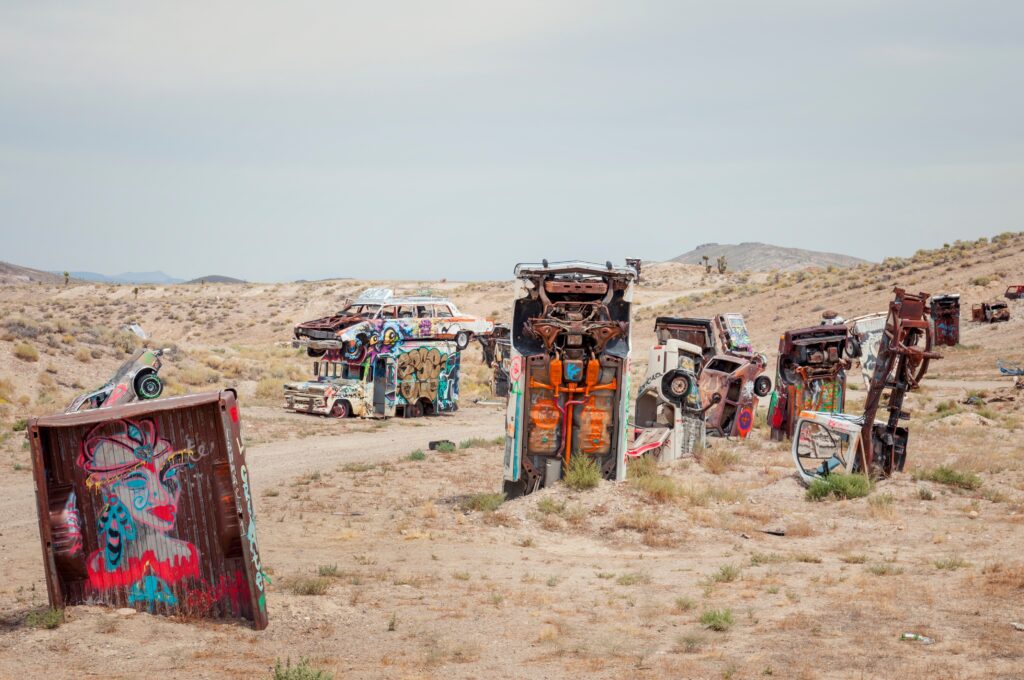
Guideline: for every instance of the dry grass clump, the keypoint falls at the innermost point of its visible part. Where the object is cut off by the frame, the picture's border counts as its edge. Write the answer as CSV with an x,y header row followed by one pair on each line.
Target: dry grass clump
x,y
269,389
482,502
950,477
83,355
26,352
717,460
309,585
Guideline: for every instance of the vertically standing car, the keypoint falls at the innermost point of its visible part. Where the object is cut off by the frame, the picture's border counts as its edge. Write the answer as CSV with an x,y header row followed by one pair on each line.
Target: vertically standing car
x,y
568,373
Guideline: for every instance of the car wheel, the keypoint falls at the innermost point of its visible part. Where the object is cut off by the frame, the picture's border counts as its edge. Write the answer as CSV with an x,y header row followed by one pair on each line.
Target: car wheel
x,y
676,386
462,340
340,409
315,353
148,386
762,386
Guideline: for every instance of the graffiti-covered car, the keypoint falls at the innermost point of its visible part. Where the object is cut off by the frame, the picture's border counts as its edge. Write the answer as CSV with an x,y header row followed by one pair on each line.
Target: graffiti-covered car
x,y
945,319
136,380
730,377
569,372
378,317
149,506
497,352
410,379
668,420
1014,292
732,380
990,312
811,375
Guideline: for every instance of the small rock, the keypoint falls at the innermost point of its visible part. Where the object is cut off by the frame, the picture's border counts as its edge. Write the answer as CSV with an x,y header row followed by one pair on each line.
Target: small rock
x,y
126,611
1018,626
973,514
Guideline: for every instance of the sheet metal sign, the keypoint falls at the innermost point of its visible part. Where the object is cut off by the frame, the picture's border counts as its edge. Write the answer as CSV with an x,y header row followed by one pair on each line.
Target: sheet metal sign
x,y
149,505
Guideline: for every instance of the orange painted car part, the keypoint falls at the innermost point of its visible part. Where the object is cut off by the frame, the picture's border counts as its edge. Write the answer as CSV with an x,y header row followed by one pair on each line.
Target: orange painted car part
x,y
590,385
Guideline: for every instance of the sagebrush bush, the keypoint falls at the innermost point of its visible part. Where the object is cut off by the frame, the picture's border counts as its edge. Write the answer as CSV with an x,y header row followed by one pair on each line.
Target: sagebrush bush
x,y
583,473
839,486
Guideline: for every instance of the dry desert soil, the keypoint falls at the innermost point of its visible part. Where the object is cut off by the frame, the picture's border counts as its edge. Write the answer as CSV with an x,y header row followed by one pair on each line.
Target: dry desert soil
x,y
408,581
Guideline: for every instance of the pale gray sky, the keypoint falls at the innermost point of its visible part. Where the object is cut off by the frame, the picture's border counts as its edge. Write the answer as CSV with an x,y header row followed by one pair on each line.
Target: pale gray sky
x,y
283,140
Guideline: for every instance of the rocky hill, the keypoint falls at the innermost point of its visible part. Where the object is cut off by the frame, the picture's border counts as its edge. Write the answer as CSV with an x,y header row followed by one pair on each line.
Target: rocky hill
x,y
763,257
12,273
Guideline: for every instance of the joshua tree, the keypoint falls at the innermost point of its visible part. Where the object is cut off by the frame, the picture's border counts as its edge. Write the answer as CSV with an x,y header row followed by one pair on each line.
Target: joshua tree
x,y
67,277
707,264
723,266
136,291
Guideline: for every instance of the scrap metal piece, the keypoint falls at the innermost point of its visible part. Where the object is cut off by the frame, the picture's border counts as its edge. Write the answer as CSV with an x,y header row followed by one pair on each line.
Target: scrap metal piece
x,y
1015,292
568,371
136,380
826,442
149,505
496,347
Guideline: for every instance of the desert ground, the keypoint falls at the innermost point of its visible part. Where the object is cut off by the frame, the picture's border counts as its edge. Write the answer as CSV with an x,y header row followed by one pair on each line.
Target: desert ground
x,y
386,565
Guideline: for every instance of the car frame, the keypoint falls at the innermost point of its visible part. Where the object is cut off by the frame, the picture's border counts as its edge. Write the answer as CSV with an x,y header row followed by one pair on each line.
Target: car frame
x,y
137,379
379,317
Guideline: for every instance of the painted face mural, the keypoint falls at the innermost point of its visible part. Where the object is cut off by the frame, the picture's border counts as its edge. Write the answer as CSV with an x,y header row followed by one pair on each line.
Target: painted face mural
x,y
138,474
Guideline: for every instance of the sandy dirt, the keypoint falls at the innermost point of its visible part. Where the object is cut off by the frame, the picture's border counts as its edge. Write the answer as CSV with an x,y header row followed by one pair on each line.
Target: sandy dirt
x,y
605,583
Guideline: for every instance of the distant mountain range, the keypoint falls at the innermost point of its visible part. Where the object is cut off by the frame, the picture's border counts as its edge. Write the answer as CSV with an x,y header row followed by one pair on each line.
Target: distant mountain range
x,y
125,277
762,257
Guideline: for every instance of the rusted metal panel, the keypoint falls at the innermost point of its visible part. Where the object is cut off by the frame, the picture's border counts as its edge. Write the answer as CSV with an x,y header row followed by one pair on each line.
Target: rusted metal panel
x,y
946,319
1014,292
149,505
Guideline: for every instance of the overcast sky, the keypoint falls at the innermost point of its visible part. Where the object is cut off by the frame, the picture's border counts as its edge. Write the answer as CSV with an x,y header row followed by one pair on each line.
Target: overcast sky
x,y
283,140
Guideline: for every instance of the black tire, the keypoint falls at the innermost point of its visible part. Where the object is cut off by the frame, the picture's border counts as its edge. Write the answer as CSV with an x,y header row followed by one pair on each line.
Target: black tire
x,y
462,339
676,385
762,386
341,409
414,410
853,348
148,385
315,353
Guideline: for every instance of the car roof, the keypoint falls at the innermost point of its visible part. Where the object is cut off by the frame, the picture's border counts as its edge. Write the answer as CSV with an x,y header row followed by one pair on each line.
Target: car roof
x,y
386,296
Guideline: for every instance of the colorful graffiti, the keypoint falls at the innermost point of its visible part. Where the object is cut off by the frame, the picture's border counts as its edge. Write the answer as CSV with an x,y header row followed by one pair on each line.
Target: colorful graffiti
x,y
427,373
367,340
138,475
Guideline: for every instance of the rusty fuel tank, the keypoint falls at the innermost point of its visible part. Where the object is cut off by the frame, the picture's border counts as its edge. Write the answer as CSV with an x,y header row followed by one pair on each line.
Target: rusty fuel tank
x,y
149,505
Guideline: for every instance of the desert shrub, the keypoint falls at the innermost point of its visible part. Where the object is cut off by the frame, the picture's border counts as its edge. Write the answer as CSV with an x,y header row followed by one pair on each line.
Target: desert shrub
x,y
727,573
302,671
26,352
633,578
950,477
839,486
583,473
309,585
417,455
6,391
20,425
269,388
476,443
981,281
83,355
20,327
198,375
951,563
482,502
49,619
717,619
718,460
